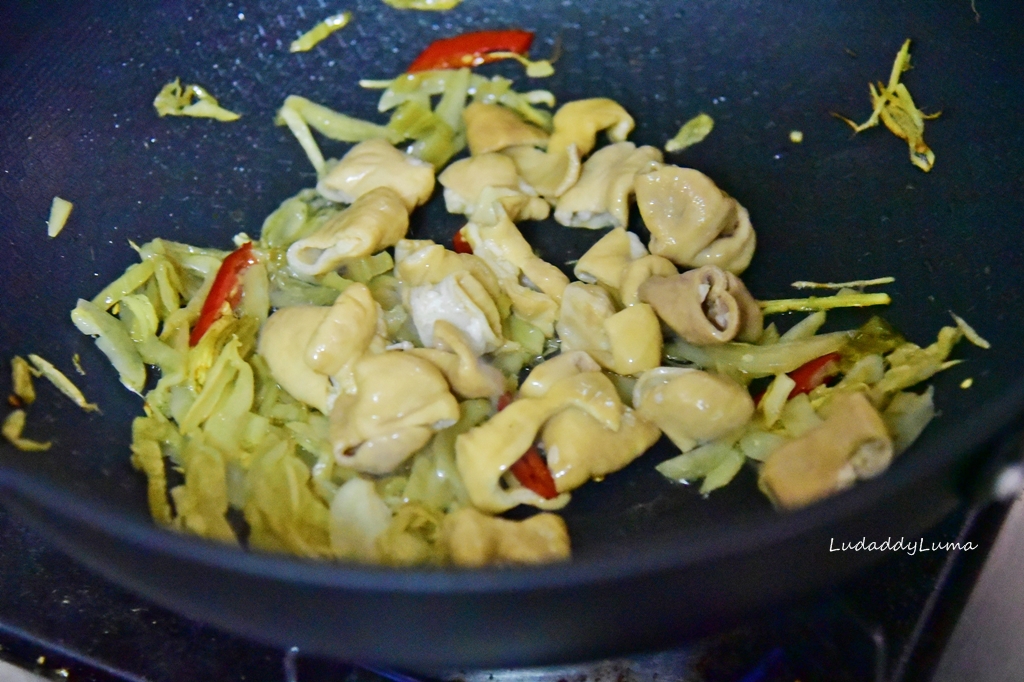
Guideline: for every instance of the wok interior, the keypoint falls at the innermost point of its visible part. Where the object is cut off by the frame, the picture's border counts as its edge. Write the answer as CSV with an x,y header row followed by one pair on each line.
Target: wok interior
x,y
79,123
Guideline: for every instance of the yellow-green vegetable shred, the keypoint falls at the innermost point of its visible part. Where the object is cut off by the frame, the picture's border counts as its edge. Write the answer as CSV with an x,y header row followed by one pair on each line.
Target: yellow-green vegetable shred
x,y
308,40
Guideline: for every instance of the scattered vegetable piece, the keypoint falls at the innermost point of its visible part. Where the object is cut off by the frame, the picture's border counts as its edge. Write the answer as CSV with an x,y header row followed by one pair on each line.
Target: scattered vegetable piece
x,y
774,399
856,284
757,444
376,84
174,100
875,337
471,49
225,289
796,136
503,400
813,303
750,361
63,384
308,40
910,364
113,340
770,335
60,209
541,68
907,416
716,462
132,278
723,474
148,458
365,269
13,426
894,105
300,129
967,383
799,417
335,125
969,333
299,114
805,328
424,5
21,379
692,132
76,360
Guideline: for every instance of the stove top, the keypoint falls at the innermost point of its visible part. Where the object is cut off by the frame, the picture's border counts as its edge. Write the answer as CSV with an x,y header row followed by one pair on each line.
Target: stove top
x,y
890,624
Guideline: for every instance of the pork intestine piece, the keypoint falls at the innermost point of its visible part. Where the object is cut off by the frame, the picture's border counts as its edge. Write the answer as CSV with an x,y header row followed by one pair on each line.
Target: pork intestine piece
x,y
377,220
579,448
399,403
625,341
472,185
692,222
691,406
474,539
373,164
466,373
853,443
576,124
485,453
601,197
706,306
605,262
492,127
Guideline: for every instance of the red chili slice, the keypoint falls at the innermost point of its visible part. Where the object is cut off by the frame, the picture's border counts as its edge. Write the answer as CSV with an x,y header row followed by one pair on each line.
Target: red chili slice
x,y
810,375
460,245
470,49
225,289
531,470
814,373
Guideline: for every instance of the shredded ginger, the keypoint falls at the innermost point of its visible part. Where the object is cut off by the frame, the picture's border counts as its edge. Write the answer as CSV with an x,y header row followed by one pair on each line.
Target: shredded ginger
x,y
21,380
311,38
812,303
969,333
424,5
12,428
64,385
894,105
855,284
175,100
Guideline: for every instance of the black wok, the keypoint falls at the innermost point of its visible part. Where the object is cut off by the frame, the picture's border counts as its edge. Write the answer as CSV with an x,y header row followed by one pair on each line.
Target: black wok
x,y
654,563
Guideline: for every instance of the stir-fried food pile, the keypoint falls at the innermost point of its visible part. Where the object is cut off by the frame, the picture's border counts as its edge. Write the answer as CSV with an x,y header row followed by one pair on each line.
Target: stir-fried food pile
x,y
359,394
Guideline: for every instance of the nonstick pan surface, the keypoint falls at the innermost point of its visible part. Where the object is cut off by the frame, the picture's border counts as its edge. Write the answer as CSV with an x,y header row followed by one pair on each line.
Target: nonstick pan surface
x,y
653,563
